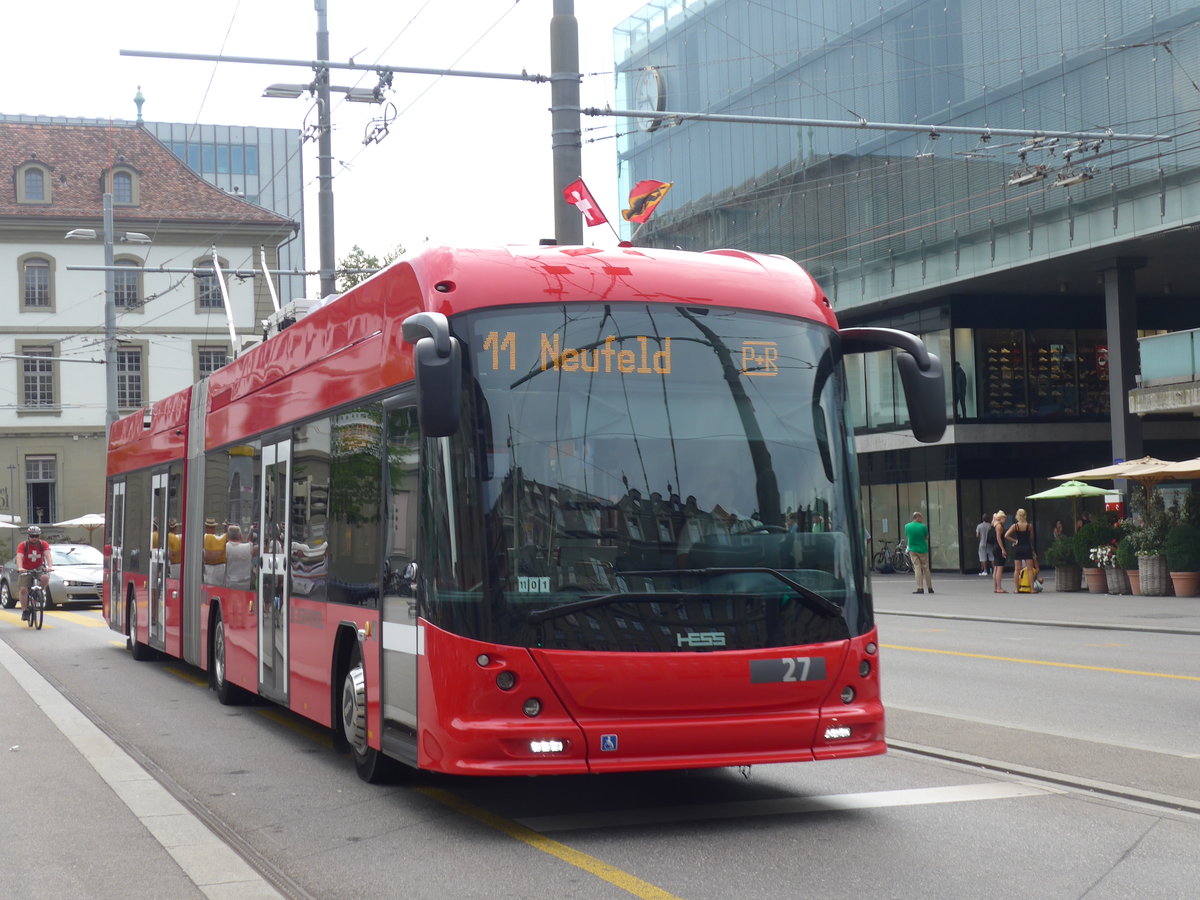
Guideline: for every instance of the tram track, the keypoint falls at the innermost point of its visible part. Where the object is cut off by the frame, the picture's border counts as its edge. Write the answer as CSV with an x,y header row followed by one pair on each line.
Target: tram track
x,y
1183,806
1049,623
279,880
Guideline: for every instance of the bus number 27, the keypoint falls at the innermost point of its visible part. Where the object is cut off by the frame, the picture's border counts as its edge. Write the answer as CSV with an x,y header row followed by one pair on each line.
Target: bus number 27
x,y
788,669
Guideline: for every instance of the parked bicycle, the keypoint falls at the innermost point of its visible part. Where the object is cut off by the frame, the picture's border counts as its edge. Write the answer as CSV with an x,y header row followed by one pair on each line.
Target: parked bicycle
x,y
35,600
894,559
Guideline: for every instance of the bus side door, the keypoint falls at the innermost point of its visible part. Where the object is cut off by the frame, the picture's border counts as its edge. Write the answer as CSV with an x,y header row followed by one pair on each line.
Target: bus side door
x,y
402,639
273,587
159,525
115,557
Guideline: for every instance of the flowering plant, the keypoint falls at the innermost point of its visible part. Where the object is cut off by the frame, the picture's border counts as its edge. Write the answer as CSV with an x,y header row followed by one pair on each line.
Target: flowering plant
x,y
1104,556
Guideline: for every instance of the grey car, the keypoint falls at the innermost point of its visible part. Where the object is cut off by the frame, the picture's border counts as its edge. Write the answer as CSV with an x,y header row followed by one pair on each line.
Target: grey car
x,y
76,576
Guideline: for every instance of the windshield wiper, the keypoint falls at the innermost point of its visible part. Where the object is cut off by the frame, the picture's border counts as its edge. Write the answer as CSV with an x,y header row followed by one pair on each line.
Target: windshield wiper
x,y
815,601
811,598
563,609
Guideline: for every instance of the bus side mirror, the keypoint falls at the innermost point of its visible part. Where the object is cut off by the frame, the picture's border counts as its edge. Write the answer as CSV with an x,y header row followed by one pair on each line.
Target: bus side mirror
x,y
921,374
437,363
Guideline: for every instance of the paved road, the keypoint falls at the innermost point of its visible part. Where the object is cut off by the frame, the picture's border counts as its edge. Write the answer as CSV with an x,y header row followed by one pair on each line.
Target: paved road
x,y
117,833
1112,765
963,596
101,825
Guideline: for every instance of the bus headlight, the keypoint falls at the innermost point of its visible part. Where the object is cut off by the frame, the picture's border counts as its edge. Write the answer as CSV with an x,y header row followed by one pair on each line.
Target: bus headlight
x,y
532,707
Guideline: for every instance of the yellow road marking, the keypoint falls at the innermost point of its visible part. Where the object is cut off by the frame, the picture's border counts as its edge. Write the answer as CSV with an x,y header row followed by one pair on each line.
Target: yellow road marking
x,y
602,870
1043,662
190,677
275,714
14,615
302,728
91,620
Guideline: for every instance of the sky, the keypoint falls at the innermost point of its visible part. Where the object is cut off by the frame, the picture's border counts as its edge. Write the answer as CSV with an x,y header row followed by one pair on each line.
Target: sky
x,y
467,161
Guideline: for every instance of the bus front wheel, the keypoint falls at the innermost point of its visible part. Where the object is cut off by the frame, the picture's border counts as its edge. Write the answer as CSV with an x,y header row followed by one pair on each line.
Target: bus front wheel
x,y
371,765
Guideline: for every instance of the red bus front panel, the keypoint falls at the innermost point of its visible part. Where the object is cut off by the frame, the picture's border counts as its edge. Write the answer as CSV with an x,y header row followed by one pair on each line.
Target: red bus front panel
x,y
613,712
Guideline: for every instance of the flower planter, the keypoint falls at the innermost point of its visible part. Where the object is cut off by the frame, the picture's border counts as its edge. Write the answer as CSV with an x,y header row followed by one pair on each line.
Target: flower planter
x,y
1152,576
1117,580
1067,577
1186,584
1097,581
1134,577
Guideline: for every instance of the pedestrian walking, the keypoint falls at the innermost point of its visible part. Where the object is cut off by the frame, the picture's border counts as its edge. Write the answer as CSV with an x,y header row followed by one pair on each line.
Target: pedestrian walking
x,y
916,538
981,532
998,550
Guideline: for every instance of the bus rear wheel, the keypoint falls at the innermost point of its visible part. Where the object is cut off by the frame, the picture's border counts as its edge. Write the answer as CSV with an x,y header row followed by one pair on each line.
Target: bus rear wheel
x,y
371,765
228,694
139,651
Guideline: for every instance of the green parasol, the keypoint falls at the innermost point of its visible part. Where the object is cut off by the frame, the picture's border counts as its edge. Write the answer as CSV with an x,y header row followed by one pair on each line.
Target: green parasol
x,y
1071,489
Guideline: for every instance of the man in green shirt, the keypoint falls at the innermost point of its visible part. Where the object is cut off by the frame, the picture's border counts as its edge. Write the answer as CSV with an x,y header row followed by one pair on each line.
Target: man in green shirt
x,y
916,537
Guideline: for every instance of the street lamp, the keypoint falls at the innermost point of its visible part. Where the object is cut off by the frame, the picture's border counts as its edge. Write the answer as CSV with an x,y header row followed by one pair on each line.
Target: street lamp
x,y
110,299
353,94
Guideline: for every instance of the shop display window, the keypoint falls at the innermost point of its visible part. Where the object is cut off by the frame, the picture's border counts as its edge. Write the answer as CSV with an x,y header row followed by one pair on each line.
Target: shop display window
x,y
1052,384
1093,373
1001,356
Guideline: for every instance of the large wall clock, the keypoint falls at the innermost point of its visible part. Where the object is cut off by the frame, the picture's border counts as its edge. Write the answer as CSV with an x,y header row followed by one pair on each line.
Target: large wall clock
x,y
650,95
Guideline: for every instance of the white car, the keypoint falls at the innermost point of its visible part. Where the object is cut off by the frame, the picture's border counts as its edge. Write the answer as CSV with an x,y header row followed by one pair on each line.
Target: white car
x,y
76,577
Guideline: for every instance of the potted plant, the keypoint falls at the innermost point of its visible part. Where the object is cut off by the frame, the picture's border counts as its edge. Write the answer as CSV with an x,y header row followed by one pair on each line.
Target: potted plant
x,y
1183,558
1093,549
1153,580
1061,555
1104,560
1127,560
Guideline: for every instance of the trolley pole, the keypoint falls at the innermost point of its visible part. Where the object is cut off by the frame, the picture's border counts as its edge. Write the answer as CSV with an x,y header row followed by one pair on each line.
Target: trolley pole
x,y
565,134
110,318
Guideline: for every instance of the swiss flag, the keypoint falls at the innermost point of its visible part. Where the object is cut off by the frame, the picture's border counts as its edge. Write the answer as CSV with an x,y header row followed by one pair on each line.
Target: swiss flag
x,y
577,194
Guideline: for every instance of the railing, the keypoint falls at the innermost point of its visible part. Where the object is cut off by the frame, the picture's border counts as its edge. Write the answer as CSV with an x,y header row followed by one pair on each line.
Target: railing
x,y
1170,358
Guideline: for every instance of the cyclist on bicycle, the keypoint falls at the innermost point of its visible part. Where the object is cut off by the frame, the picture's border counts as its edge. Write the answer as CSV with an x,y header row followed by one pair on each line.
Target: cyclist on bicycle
x,y
33,554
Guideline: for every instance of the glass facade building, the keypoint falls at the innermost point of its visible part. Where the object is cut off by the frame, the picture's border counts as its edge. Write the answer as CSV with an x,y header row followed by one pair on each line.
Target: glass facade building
x,y
1017,183
261,164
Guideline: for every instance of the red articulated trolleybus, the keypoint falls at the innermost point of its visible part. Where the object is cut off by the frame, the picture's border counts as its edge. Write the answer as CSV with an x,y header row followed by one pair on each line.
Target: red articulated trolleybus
x,y
525,511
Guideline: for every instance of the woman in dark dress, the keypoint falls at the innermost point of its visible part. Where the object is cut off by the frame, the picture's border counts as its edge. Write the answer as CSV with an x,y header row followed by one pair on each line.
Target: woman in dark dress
x,y
996,547
1020,535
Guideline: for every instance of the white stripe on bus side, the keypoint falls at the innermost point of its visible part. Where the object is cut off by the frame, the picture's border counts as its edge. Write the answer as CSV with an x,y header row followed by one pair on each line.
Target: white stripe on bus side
x,y
404,638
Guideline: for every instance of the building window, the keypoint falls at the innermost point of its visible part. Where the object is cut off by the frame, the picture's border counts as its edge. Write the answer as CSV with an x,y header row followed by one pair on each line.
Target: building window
x,y
122,187
37,386
209,359
127,284
41,476
129,378
208,288
123,183
36,283
33,183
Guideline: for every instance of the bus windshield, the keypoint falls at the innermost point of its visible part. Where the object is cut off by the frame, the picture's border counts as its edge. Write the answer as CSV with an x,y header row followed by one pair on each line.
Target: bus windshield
x,y
647,477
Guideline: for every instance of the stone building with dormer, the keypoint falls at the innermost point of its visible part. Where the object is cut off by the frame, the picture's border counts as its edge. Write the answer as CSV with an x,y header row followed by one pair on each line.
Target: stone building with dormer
x,y
171,326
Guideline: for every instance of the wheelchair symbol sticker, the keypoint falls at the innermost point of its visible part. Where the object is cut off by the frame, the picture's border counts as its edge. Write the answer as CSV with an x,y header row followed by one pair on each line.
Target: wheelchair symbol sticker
x,y
608,742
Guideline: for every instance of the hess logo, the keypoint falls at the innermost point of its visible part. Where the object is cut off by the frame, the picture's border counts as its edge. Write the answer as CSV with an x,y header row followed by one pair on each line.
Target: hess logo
x,y
701,639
